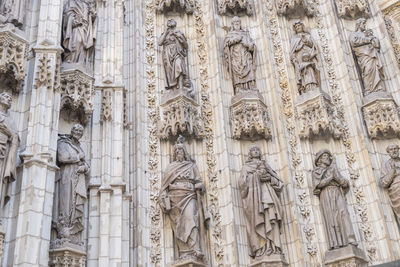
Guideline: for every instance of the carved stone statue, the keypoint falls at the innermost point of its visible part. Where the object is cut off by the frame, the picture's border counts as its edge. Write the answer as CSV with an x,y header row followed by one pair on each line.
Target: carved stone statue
x,y
79,31
181,198
70,191
186,6
331,188
240,57
366,48
13,11
390,178
303,54
9,142
174,55
259,188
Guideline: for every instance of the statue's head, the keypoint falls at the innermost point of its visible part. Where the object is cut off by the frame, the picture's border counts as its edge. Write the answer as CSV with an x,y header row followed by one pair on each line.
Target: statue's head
x,y
236,24
171,23
180,151
361,24
393,150
6,100
298,26
77,131
254,153
323,157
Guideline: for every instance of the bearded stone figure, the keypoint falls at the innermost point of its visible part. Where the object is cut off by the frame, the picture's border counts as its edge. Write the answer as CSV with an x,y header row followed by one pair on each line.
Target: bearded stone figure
x,y
259,188
13,11
70,188
9,142
79,31
240,57
303,54
174,55
366,48
331,187
390,178
181,199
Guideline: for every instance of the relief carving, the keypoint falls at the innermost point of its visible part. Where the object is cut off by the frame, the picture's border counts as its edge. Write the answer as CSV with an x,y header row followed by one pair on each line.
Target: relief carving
x,y
185,6
235,7
13,12
352,9
296,8
181,198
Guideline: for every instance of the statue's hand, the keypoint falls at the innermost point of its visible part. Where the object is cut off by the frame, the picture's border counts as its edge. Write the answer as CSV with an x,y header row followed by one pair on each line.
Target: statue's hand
x,y
200,186
82,169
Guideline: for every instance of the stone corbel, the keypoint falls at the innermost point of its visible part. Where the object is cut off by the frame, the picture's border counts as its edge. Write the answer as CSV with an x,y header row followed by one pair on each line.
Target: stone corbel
x,y
352,9
180,6
68,255
235,7
13,57
296,8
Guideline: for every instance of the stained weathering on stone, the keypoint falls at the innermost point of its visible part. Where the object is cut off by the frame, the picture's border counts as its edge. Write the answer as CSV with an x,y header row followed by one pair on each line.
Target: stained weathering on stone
x,y
185,6
366,48
70,193
240,57
259,188
79,31
390,178
235,7
303,55
181,198
330,186
13,12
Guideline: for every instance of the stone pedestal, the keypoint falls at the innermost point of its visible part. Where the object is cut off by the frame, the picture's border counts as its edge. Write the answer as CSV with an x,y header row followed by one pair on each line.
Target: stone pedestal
x,y
273,260
187,263
249,117
67,255
13,57
316,115
180,114
349,256
381,115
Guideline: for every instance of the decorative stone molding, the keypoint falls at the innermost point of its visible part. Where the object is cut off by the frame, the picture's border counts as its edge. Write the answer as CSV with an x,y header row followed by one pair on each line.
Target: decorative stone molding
x,y
349,256
296,8
187,263
180,6
352,9
381,115
106,105
315,114
2,237
180,115
44,74
249,117
77,94
273,260
67,255
393,38
235,7
13,57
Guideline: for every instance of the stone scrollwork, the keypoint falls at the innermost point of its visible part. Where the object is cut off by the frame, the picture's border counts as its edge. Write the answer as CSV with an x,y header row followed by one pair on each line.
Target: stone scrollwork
x,y
184,6
296,8
352,9
235,7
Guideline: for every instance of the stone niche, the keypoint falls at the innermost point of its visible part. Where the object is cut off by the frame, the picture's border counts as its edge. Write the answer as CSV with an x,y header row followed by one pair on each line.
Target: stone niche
x,y
296,8
249,116
352,9
13,57
316,116
235,7
350,256
180,114
381,115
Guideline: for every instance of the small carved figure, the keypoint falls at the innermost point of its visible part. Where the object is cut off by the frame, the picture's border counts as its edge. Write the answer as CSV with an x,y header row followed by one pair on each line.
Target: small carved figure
x,y
13,11
70,192
181,198
331,188
174,55
366,48
303,54
240,57
187,6
9,142
259,188
390,178
79,31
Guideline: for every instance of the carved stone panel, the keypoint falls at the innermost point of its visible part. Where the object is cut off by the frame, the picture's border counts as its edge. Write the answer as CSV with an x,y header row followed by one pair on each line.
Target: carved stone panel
x,y
352,9
235,7
250,117
13,57
180,6
381,115
296,8
77,93
316,115
180,115
71,256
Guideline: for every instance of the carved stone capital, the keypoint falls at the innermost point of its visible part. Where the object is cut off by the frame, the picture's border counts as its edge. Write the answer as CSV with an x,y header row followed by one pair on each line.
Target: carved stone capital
x,y
180,114
352,9
296,8
316,115
249,117
349,256
381,115
13,57
273,260
67,255
235,7
77,93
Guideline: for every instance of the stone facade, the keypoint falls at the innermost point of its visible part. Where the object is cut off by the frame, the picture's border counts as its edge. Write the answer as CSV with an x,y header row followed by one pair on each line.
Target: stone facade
x,y
256,87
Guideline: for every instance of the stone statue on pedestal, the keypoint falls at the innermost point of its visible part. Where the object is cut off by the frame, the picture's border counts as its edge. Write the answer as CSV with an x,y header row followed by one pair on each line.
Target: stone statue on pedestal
x,y
259,188
240,57
9,142
181,199
390,178
330,186
13,11
70,193
79,29
366,48
303,54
